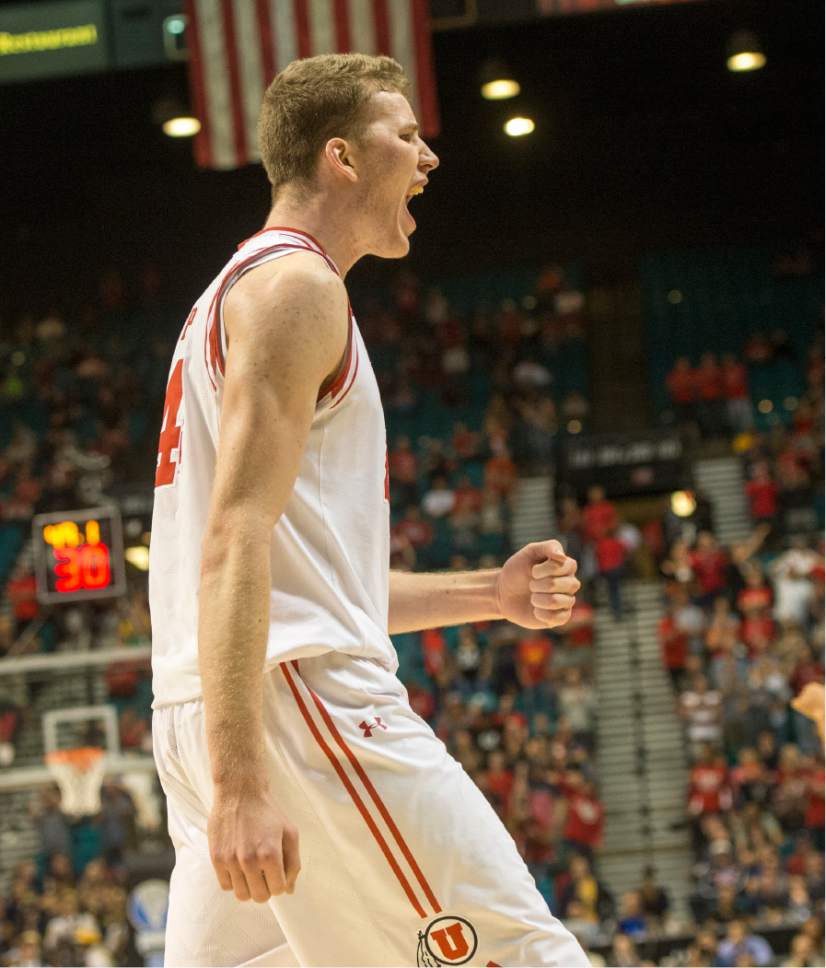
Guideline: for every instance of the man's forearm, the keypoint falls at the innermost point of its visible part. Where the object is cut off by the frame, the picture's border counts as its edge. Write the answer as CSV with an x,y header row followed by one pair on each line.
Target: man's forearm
x,y
233,623
425,601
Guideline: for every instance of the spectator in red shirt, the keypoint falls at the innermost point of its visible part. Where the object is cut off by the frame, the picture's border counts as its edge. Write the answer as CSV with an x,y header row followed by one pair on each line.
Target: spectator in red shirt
x,y
599,516
673,646
755,598
762,493
709,563
708,790
585,815
500,472
466,497
499,779
532,657
682,389
465,442
611,556
417,530
708,380
814,819
434,648
757,632
736,394
579,630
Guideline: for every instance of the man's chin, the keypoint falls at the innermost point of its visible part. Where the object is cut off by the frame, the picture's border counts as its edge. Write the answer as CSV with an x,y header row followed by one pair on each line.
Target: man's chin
x,y
397,249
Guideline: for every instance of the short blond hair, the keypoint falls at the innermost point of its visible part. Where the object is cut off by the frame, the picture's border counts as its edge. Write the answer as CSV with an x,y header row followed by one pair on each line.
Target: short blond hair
x,y
313,100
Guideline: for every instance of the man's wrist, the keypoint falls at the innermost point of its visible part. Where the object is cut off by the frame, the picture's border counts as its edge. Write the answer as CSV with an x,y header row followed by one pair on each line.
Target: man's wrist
x,y
495,596
232,785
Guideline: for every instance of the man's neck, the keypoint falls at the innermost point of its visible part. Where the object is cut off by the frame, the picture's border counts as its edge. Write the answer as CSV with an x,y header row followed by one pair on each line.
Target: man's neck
x,y
326,221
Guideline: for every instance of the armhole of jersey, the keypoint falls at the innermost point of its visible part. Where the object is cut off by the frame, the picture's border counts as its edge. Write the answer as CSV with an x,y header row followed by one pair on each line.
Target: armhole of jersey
x,y
332,386
216,329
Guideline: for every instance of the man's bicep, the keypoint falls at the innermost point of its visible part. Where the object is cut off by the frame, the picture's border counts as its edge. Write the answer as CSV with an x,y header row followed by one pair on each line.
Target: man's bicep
x,y
280,353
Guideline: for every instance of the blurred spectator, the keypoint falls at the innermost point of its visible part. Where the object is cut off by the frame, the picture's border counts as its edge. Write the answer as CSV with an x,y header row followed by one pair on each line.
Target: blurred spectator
x,y
762,492
611,555
403,467
585,815
599,516
793,586
683,389
654,900
740,945
701,710
736,394
673,646
440,499
708,383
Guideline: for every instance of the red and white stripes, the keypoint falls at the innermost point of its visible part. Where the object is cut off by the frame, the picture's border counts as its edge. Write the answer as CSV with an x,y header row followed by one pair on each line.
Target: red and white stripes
x,y
237,46
363,793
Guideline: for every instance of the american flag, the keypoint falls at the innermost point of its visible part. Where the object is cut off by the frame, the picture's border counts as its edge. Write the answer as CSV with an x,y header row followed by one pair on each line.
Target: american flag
x,y
237,46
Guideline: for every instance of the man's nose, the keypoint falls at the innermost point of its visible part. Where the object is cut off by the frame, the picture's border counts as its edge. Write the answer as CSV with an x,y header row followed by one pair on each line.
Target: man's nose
x,y
430,160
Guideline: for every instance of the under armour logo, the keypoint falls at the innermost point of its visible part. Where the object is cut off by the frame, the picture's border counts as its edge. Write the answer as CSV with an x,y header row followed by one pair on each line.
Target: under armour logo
x,y
369,727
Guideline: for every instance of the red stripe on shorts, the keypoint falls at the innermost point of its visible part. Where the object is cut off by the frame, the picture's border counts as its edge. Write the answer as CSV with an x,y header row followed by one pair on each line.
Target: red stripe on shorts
x,y
365,779
371,823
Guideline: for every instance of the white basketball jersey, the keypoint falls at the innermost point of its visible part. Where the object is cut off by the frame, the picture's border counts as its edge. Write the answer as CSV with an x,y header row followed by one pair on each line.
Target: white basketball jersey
x,y
330,547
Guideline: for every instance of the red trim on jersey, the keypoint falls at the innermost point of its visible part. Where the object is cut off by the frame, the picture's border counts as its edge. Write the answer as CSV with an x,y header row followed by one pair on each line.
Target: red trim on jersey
x,y
377,800
287,228
371,823
344,367
206,356
350,384
216,349
236,97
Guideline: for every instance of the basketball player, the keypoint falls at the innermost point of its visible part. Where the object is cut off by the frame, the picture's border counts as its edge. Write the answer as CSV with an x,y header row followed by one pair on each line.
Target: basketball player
x,y
296,773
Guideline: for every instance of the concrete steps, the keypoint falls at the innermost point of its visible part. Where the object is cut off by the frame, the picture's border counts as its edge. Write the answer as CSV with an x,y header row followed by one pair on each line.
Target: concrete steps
x,y
640,753
721,480
534,517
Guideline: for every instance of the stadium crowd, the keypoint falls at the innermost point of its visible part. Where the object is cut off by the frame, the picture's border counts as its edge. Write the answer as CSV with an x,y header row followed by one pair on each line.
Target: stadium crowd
x,y
473,399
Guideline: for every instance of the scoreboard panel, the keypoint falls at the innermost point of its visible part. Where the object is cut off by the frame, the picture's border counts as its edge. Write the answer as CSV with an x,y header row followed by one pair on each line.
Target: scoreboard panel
x,y
78,555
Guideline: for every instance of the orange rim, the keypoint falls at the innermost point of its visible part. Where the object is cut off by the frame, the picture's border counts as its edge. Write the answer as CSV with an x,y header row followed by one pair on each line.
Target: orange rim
x,y
81,758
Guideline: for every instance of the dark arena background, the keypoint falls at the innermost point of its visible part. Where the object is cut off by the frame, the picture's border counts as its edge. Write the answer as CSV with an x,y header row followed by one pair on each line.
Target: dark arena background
x,y
608,331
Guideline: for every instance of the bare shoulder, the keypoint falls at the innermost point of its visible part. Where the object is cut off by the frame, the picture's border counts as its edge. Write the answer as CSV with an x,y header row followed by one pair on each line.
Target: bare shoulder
x,y
288,299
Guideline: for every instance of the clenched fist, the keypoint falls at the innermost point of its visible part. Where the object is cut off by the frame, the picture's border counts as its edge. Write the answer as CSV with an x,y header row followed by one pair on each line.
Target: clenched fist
x,y
536,586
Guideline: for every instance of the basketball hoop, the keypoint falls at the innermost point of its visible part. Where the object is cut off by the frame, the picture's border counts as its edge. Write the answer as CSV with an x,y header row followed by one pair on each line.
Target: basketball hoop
x,y
79,774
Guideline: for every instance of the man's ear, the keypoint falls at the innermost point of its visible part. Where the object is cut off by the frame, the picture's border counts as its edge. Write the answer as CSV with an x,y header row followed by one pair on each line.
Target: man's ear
x,y
339,156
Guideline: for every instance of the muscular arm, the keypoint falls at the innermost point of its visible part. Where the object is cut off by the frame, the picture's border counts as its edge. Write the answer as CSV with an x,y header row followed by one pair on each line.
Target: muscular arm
x,y
287,329
535,588
428,601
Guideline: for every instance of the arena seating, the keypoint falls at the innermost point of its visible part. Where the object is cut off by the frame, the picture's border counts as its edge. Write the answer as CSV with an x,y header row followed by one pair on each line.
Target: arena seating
x,y
481,378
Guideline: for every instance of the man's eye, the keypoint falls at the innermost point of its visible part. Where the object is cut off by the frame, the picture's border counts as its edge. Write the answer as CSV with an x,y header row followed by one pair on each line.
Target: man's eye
x,y
406,137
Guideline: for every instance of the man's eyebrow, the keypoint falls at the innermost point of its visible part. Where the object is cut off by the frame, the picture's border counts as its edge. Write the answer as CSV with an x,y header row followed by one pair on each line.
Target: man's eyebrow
x,y
411,124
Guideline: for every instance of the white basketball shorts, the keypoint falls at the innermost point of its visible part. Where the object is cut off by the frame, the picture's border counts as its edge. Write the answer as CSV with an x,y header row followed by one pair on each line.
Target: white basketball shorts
x,y
403,861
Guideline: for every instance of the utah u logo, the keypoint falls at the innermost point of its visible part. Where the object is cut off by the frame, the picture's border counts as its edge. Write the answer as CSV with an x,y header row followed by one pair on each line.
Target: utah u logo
x,y
446,941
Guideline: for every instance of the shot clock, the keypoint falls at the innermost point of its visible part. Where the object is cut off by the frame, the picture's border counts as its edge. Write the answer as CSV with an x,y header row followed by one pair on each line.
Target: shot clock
x,y
78,555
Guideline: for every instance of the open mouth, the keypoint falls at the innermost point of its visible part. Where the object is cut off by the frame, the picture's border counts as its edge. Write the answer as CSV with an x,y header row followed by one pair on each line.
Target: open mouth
x,y
415,190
